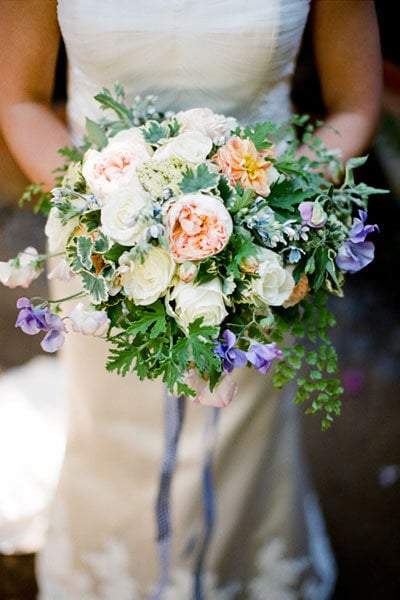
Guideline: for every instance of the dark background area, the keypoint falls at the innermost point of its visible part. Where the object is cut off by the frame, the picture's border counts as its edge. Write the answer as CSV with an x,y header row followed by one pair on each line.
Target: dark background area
x,y
356,463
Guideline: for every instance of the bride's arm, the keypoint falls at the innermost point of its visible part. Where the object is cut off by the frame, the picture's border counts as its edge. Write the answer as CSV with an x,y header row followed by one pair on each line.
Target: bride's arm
x,y
348,58
29,42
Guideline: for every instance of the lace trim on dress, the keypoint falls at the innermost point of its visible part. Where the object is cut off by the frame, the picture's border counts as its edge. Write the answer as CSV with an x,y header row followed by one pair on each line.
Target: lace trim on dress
x,y
104,574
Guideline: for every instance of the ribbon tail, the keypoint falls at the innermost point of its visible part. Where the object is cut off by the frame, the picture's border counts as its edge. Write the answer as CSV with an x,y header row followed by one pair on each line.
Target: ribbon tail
x,y
174,407
208,500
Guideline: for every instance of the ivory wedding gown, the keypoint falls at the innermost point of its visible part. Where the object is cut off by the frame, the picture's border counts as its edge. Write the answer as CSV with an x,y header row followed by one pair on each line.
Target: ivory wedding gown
x,y
236,57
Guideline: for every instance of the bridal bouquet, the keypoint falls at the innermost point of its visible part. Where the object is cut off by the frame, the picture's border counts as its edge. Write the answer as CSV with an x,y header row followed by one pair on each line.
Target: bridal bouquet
x,y
200,246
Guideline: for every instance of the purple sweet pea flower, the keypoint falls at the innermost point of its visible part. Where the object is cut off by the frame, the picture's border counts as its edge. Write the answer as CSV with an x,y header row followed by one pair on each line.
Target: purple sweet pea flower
x,y
356,253
232,357
312,214
33,319
359,231
262,355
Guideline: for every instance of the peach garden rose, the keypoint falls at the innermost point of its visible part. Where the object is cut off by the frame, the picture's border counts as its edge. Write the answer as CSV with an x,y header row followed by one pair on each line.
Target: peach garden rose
x,y
242,163
198,225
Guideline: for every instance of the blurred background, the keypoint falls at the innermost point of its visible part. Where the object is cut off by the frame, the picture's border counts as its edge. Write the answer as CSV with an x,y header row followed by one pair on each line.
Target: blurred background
x,y
356,463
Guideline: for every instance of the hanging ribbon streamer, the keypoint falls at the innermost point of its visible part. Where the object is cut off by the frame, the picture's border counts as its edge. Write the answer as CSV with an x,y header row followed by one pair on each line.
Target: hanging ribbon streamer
x,y
174,415
208,500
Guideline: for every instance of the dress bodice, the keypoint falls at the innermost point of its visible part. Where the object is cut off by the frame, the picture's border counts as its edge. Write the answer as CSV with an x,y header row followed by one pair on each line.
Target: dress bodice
x,y
234,56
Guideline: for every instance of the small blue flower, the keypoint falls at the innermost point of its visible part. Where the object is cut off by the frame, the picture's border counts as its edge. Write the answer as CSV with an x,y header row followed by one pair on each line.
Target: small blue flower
x,y
33,319
231,357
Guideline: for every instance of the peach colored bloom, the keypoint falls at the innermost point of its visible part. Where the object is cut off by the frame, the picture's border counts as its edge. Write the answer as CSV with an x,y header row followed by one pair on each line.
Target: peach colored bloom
x,y
299,291
240,161
197,226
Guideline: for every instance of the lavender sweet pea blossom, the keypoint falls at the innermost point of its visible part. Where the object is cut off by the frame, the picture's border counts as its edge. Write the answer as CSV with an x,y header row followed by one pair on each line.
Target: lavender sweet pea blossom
x,y
231,357
356,253
262,355
312,214
33,319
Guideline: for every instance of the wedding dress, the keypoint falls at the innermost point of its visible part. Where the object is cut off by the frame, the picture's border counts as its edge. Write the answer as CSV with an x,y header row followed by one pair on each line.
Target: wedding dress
x,y
269,543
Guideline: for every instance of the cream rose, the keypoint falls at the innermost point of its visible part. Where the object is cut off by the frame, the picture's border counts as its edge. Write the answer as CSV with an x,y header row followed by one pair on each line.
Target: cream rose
x,y
194,301
133,137
56,232
274,283
197,226
190,147
114,167
124,218
145,282
207,122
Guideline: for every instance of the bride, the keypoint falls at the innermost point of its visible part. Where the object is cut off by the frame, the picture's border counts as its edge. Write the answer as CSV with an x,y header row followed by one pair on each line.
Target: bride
x,y
237,58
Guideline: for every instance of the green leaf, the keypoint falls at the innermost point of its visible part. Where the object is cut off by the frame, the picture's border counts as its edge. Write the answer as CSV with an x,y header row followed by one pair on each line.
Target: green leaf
x,y
84,249
199,180
96,134
107,101
259,134
153,132
94,286
101,243
150,320
114,252
321,261
285,197
33,192
91,220
120,360
242,199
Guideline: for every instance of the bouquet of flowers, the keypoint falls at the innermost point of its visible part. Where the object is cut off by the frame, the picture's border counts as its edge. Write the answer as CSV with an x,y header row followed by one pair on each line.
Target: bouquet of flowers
x,y
201,245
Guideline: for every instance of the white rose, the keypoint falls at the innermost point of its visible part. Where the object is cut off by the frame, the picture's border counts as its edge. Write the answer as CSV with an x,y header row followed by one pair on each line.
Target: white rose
x,y
21,271
194,301
56,232
133,137
89,322
114,167
124,219
207,122
145,282
274,283
190,146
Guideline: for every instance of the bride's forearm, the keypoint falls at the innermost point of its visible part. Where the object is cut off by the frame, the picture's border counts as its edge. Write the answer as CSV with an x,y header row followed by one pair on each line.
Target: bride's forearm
x,y
34,134
348,132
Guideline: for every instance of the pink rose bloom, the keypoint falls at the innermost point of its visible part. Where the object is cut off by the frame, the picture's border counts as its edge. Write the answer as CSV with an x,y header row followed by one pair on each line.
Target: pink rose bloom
x,y
114,167
197,226
241,162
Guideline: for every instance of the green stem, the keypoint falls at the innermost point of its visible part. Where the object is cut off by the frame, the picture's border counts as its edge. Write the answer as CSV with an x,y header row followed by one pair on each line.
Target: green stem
x,y
60,300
